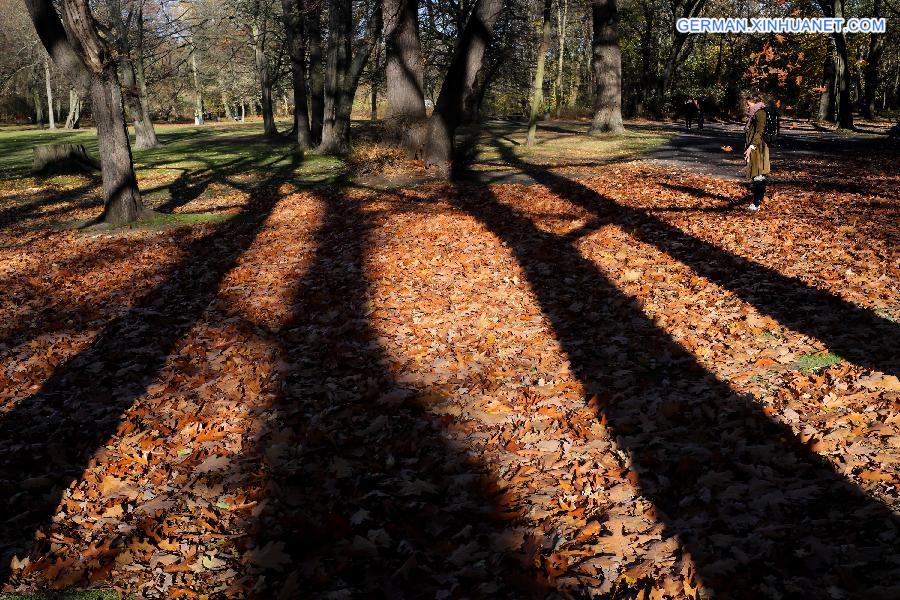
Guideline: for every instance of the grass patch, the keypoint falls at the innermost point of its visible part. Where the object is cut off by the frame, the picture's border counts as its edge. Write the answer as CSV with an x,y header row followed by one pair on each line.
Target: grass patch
x,y
564,144
161,221
812,363
158,221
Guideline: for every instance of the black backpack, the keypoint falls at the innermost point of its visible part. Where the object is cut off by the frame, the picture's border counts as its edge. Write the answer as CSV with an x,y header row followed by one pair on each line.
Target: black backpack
x,y
773,125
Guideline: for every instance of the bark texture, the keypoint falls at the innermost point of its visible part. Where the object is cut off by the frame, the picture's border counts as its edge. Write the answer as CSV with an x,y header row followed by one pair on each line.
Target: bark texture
x,y
873,63
537,89
73,119
404,68
343,71
843,109
292,11
458,84
266,81
607,64
49,94
316,73
79,46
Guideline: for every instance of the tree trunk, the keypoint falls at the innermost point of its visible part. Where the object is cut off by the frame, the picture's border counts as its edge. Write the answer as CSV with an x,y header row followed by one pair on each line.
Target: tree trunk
x,y
483,83
343,74
316,77
826,100
335,132
122,199
73,120
458,82
144,134
85,55
680,42
873,63
647,60
293,11
843,109
150,139
199,108
38,103
537,89
404,68
49,94
265,77
607,69
562,13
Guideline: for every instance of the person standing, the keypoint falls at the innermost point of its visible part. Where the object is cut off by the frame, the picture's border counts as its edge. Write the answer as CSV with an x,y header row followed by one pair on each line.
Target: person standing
x,y
690,112
756,150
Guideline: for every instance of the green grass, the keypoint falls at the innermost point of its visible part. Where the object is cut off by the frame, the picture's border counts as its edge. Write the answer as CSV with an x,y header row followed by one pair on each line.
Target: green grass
x,y
192,174
562,143
812,363
193,165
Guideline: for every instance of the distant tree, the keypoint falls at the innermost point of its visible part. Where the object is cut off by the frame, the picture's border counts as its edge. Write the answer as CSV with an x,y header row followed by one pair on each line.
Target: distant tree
x,y
537,90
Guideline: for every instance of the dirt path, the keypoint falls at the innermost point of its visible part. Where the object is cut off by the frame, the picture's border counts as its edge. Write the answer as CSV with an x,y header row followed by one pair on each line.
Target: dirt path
x,y
702,152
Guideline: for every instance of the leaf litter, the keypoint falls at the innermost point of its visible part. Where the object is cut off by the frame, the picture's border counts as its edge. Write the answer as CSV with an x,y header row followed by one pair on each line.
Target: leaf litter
x,y
381,395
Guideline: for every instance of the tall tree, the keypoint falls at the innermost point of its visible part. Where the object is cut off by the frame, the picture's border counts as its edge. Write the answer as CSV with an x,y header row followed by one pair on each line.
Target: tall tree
x,y
537,89
826,100
78,48
316,71
49,94
144,133
405,73
343,71
293,13
335,135
259,34
458,83
872,66
73,119
843,109
562,20
607,69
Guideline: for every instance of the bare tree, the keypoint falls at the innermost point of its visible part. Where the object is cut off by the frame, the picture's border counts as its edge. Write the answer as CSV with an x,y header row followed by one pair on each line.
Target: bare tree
x,y
292,13
343,71
537,90
49,94
78,48
458,84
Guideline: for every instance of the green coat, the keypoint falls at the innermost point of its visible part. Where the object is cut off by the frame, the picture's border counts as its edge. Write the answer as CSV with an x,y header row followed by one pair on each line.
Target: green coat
x,y
759,158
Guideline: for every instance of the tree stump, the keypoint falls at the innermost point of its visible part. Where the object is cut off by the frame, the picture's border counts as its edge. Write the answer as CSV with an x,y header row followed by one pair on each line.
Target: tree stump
x,y
62,157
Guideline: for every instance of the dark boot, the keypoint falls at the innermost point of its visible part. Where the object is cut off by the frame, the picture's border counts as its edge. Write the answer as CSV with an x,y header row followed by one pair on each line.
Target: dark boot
x,y
759,191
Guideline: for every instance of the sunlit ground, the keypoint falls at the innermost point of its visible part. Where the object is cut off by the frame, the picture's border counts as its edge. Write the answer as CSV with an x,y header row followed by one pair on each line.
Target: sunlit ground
x,y
612,382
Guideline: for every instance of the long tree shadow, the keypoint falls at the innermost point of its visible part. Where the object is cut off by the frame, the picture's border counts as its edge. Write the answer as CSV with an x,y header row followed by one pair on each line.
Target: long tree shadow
x,y
21,213
758,513
363,489
47,439
856,333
